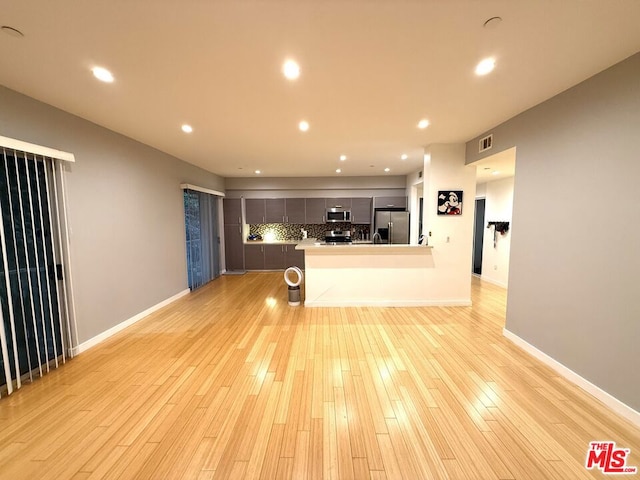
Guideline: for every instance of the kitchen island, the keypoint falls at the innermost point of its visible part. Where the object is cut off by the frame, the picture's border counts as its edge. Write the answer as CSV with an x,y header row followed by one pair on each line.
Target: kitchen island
x,y
372,275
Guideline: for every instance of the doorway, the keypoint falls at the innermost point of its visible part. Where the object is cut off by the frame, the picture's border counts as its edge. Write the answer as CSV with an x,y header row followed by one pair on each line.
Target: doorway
x,y
478,235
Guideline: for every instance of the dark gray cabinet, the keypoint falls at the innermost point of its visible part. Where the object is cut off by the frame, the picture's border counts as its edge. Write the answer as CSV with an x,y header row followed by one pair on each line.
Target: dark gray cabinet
x,y
338,203
390,202
361,210
315,210
233,245
274,257
232,211
295,210
254,257
233,249
274,210
293,257
254,210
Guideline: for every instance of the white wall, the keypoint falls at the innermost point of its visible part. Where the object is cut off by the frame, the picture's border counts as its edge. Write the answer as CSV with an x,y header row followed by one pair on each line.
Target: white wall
x,y
452,235
498,208
575,261
414,194
125,210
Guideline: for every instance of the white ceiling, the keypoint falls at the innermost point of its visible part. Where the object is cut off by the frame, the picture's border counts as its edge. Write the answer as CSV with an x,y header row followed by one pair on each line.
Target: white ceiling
x,y
370,70
496,167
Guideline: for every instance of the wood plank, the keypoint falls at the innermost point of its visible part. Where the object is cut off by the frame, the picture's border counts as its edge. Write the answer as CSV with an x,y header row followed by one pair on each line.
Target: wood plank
x,y
231,382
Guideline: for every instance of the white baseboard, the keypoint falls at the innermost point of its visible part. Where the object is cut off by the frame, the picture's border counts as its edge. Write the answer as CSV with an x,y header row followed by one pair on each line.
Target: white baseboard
x,y
494,282
84,346
609,400
388,303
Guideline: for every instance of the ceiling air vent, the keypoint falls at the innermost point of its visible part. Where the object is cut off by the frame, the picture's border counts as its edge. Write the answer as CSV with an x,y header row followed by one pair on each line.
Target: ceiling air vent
x,y
485,143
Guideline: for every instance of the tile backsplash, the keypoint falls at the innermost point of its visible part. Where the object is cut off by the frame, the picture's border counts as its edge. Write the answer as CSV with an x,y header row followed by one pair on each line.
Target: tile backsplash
x,y
288,231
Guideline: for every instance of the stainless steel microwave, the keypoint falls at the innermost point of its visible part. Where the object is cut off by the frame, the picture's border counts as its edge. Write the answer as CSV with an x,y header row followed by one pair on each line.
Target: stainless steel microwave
x,y
335,215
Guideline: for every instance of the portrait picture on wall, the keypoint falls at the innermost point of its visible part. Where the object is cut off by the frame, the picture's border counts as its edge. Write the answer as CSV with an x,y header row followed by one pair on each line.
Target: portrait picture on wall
x,y
450,202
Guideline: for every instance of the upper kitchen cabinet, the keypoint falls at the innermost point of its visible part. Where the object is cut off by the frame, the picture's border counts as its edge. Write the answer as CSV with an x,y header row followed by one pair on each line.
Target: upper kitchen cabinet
x,y
255,210
315,210
232,208
390,202
338,203
361,210
274,210
295,210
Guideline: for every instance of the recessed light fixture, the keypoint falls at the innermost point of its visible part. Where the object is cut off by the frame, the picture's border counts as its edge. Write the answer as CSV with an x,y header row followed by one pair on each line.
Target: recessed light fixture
x,y
422,124
338,170
102,74
187,128
303,126
291,69
343,158
404,156
387,169
14,32
495,172
258,172
485,66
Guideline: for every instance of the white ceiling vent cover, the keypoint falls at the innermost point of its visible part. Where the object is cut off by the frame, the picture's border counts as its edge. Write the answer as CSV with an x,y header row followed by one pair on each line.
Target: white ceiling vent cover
x,y
485,143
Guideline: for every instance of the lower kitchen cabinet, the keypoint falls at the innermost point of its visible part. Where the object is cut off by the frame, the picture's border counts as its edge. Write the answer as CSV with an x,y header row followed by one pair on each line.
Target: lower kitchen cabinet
x,y
293,257
254,257
272,257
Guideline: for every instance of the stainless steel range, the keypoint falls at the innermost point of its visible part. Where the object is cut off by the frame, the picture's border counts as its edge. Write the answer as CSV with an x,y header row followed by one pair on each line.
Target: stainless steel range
x,y
337,237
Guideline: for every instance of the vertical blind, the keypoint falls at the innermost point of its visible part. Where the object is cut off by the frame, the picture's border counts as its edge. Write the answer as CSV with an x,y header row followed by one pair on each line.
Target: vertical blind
x,y
35,312
201,223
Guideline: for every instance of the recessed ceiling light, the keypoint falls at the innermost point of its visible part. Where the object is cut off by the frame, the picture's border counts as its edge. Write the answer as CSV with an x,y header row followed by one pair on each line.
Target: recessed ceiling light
x,y
338,170
404,156
291,69
485,66
495,172
343,158
102,74
387,169
424,123
187,128
14,32
303,126
258,172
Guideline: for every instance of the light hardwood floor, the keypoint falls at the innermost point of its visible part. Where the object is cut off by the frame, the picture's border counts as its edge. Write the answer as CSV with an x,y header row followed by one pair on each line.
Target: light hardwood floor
x,y
231,382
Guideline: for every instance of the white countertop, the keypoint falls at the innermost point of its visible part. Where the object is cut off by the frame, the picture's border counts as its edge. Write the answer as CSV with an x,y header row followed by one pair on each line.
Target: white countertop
x,y
312,245
278,242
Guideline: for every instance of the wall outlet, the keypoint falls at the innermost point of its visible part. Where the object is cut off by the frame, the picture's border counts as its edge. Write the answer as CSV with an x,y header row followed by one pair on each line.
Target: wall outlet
x,y
448,239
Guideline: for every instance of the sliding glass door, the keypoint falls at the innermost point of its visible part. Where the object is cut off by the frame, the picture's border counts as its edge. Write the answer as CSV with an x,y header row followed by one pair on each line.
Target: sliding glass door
x,y
34,312
203,239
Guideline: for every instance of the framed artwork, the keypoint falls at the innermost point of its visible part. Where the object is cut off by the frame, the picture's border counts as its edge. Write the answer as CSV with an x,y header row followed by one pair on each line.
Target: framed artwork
x,y
450,202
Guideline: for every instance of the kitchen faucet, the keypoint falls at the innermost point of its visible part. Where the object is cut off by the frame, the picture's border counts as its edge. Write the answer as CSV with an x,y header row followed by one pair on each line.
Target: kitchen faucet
x,y
379,238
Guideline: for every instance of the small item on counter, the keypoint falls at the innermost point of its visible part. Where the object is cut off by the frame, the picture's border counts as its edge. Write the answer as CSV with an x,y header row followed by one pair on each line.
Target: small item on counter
x,y
254,237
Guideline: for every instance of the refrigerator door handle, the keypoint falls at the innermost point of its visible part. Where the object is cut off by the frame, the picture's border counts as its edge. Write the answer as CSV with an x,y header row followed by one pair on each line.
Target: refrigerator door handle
x,y
390,232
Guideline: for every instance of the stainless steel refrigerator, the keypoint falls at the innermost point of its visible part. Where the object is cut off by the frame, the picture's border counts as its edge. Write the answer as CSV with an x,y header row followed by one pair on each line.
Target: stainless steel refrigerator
x,y
393,227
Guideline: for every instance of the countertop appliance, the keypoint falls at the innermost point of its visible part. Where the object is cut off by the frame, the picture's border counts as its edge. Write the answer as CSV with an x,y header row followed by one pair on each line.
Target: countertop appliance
x,y
392,226
337,237
338,215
